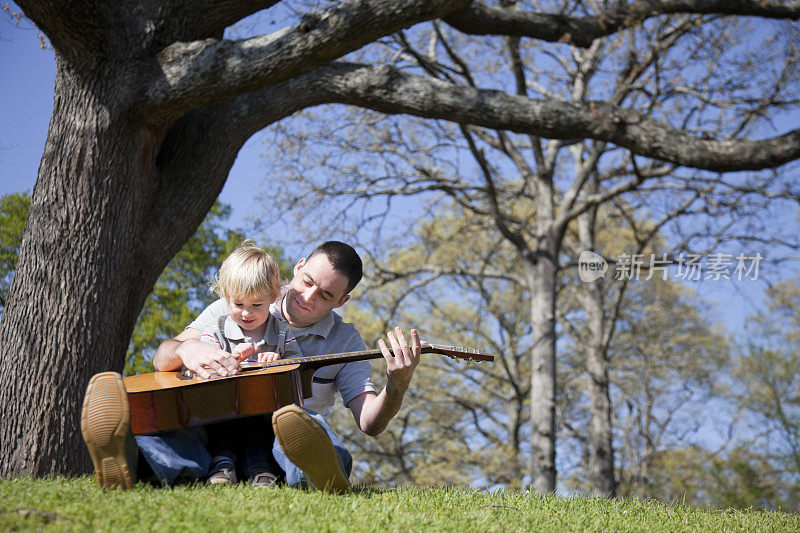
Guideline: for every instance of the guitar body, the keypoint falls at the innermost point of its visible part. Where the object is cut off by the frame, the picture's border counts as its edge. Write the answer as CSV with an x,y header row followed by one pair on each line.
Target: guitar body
x,y
163,401
166,401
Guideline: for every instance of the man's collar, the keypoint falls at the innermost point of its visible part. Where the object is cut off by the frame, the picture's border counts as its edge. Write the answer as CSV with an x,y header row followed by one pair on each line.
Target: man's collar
x,y
323,327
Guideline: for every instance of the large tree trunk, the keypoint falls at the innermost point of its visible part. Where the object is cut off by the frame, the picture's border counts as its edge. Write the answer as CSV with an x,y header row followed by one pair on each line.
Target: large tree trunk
x,y
108,212
70,318
601,450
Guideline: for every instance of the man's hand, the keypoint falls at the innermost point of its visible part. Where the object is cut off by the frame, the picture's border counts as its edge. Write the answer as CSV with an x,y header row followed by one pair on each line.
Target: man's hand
x,y
402,360
204,359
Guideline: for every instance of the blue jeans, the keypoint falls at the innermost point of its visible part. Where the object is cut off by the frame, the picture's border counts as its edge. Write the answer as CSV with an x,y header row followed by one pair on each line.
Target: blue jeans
x,y
182,455
176,456
245,442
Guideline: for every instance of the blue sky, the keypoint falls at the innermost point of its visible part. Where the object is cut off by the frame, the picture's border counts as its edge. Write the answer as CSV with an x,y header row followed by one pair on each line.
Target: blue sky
x,y
26,99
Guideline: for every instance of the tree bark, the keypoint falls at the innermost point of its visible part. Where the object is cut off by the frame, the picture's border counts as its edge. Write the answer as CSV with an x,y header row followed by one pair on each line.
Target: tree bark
x,y
543,284
480,19
77,290
543,377
601,447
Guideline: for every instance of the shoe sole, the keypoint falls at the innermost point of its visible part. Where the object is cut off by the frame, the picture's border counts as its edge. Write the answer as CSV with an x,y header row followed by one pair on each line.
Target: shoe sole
x,y
221,482
307,445
229,479
104,424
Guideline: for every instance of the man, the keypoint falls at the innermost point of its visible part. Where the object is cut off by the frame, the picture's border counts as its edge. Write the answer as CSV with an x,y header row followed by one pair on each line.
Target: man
x,y
305,447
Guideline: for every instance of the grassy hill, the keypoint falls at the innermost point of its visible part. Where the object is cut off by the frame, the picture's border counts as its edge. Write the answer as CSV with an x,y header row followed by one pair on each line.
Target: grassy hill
x,y
77,504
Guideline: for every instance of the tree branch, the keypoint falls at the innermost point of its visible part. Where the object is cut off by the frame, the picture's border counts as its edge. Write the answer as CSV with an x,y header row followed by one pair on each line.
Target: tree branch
x,y
479,19
76,28
208,18
388,90
200,73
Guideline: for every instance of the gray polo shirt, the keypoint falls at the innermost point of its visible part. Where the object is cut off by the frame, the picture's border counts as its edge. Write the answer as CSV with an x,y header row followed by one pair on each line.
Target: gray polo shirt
x,y
226,335
329,335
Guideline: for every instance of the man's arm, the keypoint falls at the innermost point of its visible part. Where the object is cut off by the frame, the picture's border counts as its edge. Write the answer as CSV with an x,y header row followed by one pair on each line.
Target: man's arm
x,y
373,412
186,349
166,358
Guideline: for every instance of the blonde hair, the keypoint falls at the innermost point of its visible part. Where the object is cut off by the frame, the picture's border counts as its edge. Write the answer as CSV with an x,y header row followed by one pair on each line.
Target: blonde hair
x,y
248,272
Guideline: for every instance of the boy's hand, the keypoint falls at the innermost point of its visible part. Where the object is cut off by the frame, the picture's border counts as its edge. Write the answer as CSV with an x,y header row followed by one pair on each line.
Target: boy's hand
x,y
268,357
244,350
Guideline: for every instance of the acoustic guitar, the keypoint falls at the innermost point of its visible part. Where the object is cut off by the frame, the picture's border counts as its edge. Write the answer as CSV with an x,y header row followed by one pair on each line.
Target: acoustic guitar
x,y
165,401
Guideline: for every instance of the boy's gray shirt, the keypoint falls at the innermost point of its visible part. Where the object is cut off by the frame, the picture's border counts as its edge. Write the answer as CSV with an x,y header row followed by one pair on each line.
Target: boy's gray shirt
x,y
329,335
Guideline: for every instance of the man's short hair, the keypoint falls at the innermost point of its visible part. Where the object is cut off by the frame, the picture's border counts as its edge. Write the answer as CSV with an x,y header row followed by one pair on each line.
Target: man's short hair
x,y
344,260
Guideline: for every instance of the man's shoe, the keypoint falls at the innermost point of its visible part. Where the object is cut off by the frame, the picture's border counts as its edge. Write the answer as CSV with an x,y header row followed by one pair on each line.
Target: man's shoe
x,y
264,479
105,420
307,446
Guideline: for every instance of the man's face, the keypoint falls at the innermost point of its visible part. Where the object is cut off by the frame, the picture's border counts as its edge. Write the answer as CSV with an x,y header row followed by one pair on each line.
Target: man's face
x,y
314,291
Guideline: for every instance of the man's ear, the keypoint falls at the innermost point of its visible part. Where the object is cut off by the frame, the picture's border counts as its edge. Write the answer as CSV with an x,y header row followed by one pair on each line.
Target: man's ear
x,y
342,300
299,265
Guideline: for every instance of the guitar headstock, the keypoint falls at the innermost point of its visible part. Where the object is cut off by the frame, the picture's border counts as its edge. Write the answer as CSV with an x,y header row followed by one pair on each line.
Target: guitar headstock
x,y
457,352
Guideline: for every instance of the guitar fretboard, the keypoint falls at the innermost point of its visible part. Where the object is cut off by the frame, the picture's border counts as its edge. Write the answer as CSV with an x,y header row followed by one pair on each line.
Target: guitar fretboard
x,y
317,361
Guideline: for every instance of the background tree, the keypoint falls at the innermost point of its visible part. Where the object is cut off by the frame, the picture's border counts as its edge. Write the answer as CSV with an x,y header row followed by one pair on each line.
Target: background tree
x,y
695,475
766,386
668,360
668,407
683,69
152,104
468,422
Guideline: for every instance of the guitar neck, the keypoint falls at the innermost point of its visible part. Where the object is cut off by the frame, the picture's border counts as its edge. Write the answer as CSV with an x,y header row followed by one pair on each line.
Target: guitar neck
x,y
317,361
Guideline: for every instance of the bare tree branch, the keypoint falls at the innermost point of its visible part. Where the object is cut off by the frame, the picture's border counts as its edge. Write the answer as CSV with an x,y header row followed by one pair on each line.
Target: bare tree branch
x,y
480,19
389,90
199,73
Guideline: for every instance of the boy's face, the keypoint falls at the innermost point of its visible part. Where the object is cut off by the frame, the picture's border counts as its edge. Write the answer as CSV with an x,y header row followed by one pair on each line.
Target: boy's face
x,y
250,313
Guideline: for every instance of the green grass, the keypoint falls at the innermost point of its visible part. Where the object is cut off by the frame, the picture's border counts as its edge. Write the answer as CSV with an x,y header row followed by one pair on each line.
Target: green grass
x,y
78,504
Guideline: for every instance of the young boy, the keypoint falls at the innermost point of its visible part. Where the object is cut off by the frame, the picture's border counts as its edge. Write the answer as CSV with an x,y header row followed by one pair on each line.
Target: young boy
x,y
248,281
